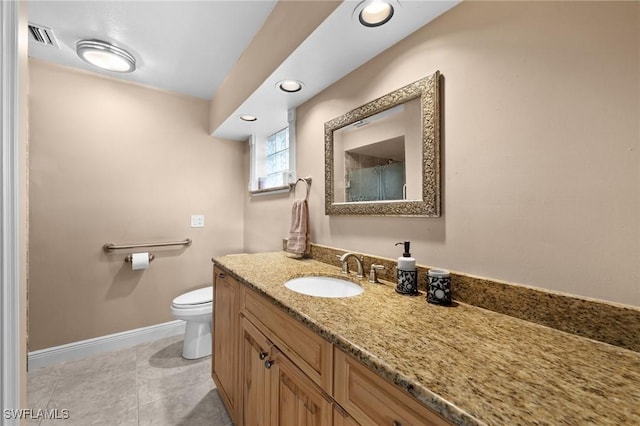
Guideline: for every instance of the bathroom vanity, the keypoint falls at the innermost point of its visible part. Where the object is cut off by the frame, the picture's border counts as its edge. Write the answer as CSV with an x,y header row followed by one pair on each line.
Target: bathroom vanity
x,y
280,357
271,369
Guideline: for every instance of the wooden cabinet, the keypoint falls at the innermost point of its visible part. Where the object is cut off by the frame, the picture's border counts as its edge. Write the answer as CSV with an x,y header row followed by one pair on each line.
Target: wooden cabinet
x,y
296,400
256,385
341,418
310,352
225,339
372,400
272,370
275,392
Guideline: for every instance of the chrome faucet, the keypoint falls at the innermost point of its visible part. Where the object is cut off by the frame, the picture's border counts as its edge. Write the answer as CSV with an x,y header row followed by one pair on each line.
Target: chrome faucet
x,y
345,266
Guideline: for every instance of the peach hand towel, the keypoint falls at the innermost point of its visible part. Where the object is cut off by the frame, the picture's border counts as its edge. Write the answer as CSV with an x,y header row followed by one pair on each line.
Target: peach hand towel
x,y
298,243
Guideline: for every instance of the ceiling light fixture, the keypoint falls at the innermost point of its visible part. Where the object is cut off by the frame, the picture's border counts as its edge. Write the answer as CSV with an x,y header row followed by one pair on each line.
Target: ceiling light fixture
x,y
373,13
290,86
248,117
106,56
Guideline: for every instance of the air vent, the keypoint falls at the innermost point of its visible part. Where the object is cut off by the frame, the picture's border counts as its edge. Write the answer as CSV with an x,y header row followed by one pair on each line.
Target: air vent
x,y
42,35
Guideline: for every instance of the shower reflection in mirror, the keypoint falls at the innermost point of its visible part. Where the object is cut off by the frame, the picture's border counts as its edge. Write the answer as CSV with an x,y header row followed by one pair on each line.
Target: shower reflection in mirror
x,y
379,158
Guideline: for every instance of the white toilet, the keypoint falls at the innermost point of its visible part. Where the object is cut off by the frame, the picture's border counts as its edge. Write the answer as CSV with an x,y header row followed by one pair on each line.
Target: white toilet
x,y
196,308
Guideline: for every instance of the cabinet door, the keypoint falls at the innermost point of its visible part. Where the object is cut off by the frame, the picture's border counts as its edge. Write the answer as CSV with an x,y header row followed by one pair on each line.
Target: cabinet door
x,y
341,418
373,401
256,376
225,339
308,351
296,400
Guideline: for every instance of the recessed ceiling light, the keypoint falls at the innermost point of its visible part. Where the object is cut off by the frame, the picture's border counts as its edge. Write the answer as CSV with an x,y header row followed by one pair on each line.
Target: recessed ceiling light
x,y
248,117
105,55
374,13
290,86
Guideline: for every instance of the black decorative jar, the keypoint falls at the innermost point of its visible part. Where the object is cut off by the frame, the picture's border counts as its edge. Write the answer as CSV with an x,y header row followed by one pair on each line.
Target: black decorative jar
x,y
439,287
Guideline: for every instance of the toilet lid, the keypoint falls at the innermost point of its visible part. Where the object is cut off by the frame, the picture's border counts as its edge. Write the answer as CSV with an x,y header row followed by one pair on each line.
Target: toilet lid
x,y
195,297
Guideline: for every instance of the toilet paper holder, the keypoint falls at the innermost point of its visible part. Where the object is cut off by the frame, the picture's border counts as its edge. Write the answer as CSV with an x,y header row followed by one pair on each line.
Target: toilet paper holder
x,y
129,258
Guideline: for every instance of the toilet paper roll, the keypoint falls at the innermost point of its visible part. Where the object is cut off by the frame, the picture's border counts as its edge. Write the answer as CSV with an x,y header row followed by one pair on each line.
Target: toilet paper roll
x,y
139,261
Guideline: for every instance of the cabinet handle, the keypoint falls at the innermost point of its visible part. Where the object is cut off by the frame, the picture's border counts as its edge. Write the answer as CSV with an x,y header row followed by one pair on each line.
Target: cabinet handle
x,y
268,363
222,275
396,423
262,355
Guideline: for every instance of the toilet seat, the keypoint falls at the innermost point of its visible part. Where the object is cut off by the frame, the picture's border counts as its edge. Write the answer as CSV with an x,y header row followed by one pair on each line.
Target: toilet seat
x,y
194,298
192,312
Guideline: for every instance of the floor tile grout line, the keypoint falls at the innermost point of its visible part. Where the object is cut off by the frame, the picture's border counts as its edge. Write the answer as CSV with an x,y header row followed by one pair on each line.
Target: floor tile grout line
x,y
142,358
55,386
163,397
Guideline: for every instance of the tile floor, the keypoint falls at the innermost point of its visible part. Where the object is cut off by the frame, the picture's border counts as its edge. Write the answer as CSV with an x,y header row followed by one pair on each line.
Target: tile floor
x,y
150,384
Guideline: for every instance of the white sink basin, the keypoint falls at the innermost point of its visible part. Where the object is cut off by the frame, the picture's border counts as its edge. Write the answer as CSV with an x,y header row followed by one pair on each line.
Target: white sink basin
x,y
324,287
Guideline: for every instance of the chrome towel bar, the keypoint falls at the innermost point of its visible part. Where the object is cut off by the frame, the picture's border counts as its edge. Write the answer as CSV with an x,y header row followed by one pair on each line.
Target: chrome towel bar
x,y
111,246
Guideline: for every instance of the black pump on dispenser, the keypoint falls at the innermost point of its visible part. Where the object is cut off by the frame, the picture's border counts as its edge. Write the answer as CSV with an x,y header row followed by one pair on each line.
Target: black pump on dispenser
x,y
407,272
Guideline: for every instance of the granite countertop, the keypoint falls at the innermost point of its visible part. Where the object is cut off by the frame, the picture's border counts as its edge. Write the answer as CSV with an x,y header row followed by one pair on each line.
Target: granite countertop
x,y
471,365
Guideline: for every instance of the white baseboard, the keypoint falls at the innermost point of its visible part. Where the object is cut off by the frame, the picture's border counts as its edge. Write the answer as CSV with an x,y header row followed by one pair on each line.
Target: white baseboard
x,y
111,342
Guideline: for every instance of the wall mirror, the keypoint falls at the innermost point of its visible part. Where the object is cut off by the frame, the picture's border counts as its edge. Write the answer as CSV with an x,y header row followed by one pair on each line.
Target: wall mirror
x,y
383,158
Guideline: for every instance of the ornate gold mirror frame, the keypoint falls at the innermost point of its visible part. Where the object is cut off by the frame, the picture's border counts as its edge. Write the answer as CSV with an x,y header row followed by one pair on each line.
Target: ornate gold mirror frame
x,y
428,90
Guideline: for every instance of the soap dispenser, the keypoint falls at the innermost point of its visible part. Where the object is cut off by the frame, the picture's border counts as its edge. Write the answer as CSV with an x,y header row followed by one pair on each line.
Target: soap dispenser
x,y
407,272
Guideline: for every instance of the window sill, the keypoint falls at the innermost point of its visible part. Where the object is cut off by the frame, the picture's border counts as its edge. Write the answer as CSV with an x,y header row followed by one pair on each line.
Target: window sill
x,y
270,191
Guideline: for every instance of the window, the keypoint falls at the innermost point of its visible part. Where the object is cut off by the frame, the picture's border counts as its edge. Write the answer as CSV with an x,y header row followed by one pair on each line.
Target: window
x,y
273,159
277,160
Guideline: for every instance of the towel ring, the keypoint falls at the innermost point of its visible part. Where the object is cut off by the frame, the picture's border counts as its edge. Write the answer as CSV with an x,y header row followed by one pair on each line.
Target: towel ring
x,y
306,182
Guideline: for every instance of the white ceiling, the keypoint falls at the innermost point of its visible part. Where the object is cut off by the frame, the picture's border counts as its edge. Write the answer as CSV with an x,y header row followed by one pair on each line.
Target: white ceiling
x,y
339,45
189,47
186,47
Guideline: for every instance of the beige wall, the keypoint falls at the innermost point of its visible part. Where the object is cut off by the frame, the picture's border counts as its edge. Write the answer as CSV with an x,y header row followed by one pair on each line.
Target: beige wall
x,y
540,164
118,162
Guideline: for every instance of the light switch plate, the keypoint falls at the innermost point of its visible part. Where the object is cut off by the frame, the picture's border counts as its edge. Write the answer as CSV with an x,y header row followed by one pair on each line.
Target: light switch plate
x,y
197,221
